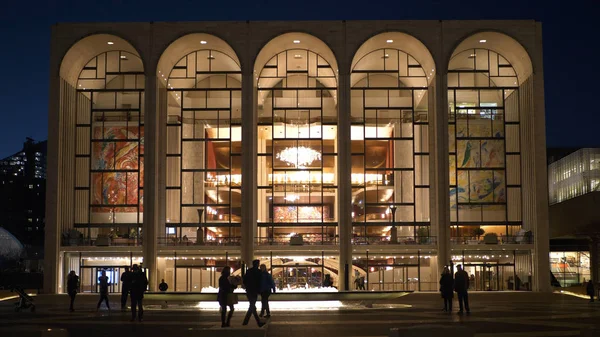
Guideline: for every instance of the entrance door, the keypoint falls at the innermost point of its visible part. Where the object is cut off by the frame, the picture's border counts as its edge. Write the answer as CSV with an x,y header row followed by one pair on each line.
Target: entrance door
x,y
482,277
298,276
393,278
89,278
193,279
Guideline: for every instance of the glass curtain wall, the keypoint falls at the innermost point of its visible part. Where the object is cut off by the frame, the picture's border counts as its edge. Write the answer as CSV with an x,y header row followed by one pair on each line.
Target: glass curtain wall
x,y
570,268
204,150
109,151
390,150
485,159
297,150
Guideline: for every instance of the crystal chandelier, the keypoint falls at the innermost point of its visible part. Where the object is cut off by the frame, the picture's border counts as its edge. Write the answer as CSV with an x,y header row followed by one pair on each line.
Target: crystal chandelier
x,y
298,156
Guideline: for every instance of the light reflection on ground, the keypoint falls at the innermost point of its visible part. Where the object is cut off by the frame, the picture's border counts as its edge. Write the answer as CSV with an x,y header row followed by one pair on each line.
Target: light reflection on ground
x,y
285,306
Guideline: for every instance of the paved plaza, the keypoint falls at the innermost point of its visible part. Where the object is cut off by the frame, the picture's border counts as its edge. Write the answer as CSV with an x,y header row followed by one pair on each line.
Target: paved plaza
x,y
503,314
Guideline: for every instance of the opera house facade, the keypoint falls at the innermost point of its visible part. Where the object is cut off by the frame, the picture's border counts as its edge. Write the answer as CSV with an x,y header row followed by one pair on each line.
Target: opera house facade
x,y
375,152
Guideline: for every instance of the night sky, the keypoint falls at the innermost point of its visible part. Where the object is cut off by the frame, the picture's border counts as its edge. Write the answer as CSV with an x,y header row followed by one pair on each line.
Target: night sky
x,y
570,30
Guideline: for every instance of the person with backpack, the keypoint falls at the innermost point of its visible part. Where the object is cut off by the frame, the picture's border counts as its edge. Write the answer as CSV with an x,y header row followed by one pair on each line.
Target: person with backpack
x,y
139,283
267,286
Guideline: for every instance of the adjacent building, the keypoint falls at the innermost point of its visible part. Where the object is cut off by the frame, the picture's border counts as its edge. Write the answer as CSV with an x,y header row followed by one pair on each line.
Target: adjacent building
x,y
574,195
375,152
22,193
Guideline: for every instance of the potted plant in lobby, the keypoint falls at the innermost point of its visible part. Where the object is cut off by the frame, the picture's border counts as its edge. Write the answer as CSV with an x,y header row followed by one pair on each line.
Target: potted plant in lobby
x,y
478,232
72,237
490,239
103,240
423,236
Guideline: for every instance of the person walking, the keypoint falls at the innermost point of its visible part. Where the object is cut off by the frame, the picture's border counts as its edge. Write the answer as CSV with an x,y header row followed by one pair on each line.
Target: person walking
x,y
266,287
103,282
461,286
252,285
72,287
447,289
590,291
125,287
226,297
139,283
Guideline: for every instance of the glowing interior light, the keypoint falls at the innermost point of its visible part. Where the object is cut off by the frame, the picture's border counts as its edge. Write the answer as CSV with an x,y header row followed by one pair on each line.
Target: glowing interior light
x,y
296,41
298,156
110,42
203,42
389,41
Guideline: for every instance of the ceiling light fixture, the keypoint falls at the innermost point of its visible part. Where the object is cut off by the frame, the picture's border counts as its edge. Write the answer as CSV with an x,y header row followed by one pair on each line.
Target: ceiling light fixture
x,y
482,41
297,56
110,42
123,57
389,41
296,41
300,156
203,42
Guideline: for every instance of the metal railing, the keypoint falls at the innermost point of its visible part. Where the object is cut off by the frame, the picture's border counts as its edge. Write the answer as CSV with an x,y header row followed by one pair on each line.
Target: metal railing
x,y
402,240
102,242
191,241
295,241
493,240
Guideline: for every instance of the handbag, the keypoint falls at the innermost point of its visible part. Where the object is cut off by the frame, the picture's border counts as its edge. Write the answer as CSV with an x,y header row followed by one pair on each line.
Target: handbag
x,y
232,299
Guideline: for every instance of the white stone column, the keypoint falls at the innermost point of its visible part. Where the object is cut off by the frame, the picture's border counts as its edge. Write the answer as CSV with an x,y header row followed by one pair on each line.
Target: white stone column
x,y
152,168
344,176
439,166
249,163
52,229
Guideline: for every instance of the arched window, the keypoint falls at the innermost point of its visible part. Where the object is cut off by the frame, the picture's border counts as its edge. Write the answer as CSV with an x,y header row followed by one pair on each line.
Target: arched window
x,y
390,148
297,149
203,183
484,143
109,150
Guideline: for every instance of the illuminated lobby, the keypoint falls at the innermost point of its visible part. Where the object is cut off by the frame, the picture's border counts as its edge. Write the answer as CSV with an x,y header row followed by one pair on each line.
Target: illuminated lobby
x,y
368,153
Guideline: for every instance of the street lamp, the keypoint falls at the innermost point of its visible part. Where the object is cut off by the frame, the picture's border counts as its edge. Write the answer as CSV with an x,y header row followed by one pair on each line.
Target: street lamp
x,y
394,231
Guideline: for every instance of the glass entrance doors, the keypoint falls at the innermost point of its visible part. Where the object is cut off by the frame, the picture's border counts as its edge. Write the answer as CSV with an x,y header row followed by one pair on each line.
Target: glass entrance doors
x,y
491,277
193,279
298,276
393,278
89,278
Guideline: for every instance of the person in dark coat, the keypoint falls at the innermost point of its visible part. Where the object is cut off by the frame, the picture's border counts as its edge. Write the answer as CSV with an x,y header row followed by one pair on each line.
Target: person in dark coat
x,y
125,288
103,282
163,286
590,290
266,287
461,286
327,281
223,296
252,285
72,287
447,289
139,283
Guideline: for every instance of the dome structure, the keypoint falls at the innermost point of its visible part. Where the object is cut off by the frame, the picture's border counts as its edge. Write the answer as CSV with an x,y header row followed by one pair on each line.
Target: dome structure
x,y
10,246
